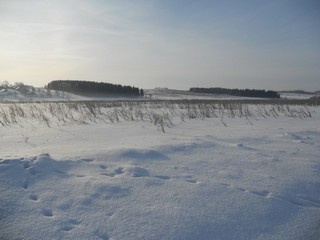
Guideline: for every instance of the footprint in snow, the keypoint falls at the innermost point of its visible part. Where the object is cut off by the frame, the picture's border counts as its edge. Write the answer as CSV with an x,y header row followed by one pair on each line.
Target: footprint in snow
x,y
225,184
80,175
67,228
189,179
102,235
26,164
131,171
89,160
163,177
117,171
33,197
71,224
137,172
144,155
47,212
241,146
103,166
25,185
259,193
262,193
74,222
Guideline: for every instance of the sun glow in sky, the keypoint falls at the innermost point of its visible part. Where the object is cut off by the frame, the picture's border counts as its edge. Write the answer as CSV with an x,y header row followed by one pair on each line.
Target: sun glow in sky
x,y
163,43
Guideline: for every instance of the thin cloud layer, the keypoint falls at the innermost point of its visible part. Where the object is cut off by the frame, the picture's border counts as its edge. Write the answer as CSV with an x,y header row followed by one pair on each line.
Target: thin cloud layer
x,y
176,44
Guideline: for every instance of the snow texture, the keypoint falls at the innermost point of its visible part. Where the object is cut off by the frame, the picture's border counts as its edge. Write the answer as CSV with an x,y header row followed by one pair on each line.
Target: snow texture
x,y
199,180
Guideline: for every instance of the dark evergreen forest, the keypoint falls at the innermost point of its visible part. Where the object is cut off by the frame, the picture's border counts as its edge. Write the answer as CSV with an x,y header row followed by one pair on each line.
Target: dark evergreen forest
x,y
89,88
238,92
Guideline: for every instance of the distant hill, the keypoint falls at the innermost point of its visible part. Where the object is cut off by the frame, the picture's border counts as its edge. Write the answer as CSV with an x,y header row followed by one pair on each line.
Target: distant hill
x,y
19,92
238,92
89,88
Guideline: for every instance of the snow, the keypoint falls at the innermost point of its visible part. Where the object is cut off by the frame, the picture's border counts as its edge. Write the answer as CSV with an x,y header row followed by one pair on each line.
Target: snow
x,y
37,95
286,95
44,95
201,179
171,94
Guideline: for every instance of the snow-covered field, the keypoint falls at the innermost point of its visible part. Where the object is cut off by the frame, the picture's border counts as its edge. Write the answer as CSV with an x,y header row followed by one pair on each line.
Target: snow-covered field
x,y
297,95
45,95
170,94
224,177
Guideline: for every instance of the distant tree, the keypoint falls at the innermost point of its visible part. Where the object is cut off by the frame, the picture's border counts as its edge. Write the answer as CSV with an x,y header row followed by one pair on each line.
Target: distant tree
x,y
90,88
4,84
141,93
24,89
238,92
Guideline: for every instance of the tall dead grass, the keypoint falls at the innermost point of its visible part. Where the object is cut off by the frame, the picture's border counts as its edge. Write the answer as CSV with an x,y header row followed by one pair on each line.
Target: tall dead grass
x,y
160,113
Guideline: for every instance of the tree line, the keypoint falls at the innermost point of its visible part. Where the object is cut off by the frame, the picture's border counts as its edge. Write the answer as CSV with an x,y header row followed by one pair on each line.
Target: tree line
x,y
238,92
90,88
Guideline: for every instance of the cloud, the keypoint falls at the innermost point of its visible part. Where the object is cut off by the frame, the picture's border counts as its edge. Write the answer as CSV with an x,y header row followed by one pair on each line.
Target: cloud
x,y
149,43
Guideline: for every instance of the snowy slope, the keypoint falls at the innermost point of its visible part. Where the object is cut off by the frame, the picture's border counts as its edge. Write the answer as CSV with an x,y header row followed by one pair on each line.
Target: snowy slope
x,y
37,95
253,179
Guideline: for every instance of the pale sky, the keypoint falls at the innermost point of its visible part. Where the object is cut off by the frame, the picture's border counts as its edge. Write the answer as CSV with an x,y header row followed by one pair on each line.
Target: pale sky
x,y
179,44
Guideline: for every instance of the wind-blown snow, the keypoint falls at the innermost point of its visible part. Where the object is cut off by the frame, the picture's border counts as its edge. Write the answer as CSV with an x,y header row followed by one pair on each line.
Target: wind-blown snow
x,y
199,180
